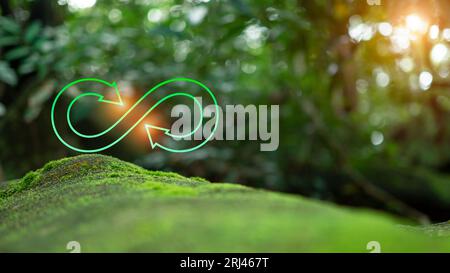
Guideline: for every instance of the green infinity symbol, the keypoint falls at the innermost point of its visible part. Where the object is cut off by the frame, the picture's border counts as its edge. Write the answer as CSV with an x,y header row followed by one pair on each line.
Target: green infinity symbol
x,y
119,102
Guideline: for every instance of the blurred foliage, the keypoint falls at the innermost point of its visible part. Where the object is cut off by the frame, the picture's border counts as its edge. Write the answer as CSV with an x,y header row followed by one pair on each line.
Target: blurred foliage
x,y
337,123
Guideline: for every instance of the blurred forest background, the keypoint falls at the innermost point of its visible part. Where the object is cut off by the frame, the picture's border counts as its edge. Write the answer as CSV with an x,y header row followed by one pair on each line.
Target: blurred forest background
x,y
363,88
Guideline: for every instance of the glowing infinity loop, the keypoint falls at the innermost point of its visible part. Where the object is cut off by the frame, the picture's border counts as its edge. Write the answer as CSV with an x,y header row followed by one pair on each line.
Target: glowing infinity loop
x,y
101,99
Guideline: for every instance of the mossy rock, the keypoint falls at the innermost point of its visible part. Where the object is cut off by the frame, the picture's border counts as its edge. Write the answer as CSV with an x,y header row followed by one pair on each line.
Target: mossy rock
x,y
109,205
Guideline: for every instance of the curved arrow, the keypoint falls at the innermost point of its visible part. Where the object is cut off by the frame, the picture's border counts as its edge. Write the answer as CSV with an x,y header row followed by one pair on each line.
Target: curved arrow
x,y
69,109
119,102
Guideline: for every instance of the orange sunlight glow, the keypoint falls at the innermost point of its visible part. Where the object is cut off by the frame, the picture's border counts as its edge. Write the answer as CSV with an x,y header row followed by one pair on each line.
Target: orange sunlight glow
x,y
138,138
416,24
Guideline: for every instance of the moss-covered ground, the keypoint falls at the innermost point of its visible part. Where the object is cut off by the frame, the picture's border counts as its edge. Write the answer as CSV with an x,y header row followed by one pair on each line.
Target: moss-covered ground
x,y
109,205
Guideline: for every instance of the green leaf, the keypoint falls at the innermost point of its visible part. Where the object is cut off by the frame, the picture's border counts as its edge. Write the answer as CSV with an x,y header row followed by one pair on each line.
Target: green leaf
x,y
28,65
242,7
9,41
7,74
38,99
42,70
32,31
9,25
26,68
17,53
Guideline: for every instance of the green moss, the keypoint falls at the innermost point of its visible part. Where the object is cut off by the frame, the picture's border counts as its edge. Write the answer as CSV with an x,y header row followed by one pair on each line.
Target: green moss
x,y
110,205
